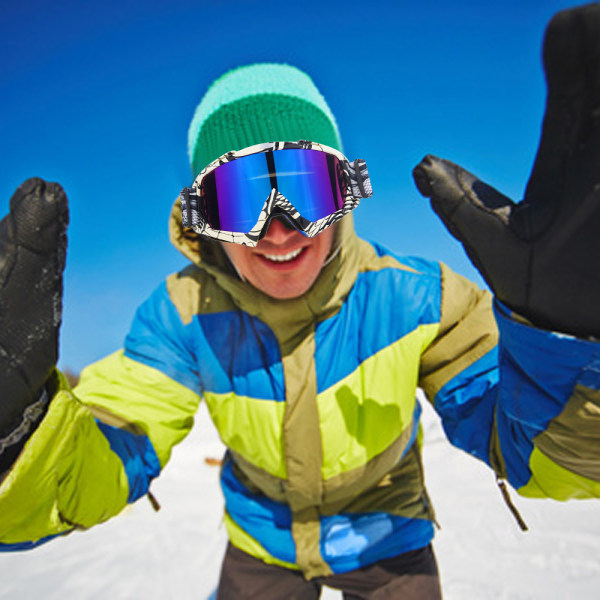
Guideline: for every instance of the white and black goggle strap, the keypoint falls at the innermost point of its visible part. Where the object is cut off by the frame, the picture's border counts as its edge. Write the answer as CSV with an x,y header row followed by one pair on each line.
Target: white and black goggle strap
x,y
359,179
190,215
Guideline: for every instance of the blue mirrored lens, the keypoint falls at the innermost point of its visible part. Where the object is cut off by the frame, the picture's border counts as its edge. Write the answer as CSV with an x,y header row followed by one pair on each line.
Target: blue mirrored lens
x,y
242,187
235,192
308,179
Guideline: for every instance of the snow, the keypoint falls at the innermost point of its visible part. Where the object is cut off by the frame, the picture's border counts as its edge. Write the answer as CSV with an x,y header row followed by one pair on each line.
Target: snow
x,y
176,552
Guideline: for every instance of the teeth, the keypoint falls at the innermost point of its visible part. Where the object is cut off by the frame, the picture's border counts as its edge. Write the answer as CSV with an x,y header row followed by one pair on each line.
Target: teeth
x,y
283,257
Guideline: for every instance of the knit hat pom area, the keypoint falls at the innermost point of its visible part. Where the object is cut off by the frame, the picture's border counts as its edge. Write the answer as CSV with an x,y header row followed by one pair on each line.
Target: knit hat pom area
x,y
254,104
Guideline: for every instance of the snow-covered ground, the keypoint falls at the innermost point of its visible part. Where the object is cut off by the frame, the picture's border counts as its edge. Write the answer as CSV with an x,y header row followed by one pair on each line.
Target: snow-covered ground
x,y
176,553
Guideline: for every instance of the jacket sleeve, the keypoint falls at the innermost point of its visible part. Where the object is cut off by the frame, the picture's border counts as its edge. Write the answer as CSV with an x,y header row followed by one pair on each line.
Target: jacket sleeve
x,y
100,445
524,400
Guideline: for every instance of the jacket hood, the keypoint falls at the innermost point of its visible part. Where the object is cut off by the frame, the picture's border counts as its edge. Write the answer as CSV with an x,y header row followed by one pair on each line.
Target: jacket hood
x,y
287,318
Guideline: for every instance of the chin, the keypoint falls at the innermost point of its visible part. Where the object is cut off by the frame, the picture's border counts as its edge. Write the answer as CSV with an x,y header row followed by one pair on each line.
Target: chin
x,y
284,290
285,294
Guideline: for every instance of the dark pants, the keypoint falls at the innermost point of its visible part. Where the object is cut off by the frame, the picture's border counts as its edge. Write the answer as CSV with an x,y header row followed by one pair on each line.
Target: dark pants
x,y
409,576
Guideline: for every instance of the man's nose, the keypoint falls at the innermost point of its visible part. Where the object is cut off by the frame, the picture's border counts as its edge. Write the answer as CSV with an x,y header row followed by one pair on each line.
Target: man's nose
x,y
279,231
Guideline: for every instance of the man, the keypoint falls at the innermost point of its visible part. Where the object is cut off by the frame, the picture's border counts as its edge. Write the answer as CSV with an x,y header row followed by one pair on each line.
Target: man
x,y
308,344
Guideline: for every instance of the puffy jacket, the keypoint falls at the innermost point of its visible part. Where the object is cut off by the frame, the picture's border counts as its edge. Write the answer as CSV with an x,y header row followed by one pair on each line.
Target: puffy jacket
x,y
315,399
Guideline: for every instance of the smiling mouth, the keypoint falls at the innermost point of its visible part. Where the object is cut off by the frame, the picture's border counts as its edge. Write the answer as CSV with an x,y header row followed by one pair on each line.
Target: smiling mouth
x,y
282,258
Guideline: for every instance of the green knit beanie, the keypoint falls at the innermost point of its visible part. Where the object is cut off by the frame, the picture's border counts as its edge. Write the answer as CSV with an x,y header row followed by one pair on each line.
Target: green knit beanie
x,y
259,103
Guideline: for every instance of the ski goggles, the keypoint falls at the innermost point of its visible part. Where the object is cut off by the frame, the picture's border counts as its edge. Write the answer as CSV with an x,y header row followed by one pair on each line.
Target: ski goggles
x,y
310,185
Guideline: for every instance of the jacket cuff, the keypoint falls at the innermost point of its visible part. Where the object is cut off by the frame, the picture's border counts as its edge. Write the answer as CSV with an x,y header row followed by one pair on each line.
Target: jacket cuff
x,y
504,311
12,443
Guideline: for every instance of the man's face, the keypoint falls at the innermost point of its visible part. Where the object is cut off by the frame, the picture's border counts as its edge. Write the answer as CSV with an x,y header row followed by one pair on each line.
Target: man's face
x,y
285,263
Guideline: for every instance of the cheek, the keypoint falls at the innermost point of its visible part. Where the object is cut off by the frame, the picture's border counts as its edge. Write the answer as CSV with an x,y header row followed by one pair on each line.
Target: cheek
x,y
238,255
326,240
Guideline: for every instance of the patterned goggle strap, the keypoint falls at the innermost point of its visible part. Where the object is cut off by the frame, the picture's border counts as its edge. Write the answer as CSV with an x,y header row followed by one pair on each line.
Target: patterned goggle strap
x,y
359,179
190,217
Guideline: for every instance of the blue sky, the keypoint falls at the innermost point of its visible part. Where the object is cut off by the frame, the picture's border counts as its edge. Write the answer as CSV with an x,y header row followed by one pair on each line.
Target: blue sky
x,y
98,96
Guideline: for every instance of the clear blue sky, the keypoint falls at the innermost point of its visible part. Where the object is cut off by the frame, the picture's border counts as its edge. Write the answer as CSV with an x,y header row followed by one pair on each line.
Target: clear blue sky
x,y
98,96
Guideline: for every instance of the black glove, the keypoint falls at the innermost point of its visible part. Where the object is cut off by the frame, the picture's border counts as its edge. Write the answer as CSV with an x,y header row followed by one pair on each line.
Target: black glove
x,y
33,244
541,257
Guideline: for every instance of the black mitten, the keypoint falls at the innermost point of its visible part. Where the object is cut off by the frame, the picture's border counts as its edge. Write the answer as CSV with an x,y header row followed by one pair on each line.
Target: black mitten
x,y
541,257
33,244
